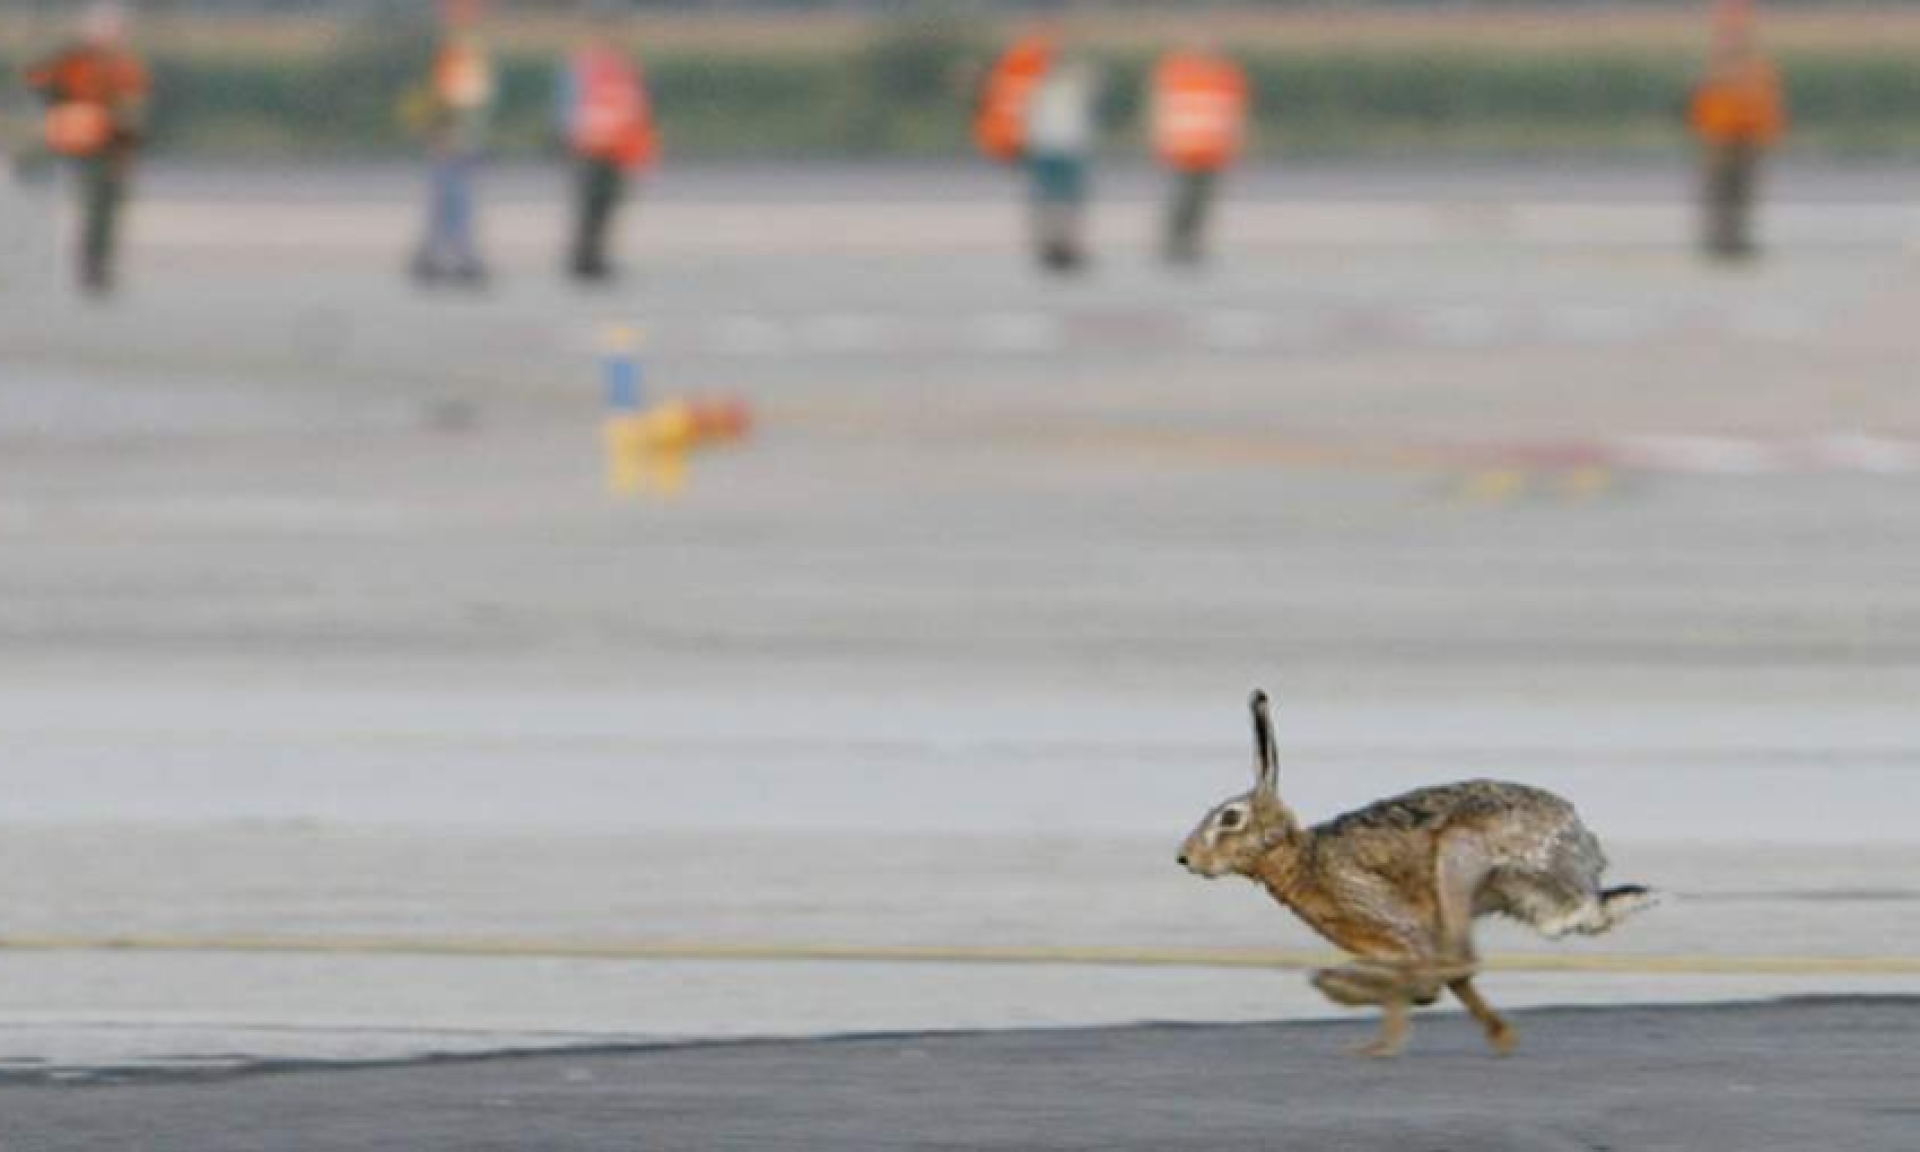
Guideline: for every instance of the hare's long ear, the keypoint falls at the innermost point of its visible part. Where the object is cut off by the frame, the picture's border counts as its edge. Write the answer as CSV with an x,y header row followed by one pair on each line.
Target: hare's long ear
x,y
1266,761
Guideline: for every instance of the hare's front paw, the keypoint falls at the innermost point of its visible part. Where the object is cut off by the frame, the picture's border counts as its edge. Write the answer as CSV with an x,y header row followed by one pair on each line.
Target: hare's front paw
x,y
1503,1038
1394,1026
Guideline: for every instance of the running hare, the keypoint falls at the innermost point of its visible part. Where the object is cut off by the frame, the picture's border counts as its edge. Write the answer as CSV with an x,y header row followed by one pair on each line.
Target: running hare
x,y
1399,882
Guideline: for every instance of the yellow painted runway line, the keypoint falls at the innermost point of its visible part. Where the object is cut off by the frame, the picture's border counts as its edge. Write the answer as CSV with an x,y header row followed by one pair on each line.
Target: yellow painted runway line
x,y
507,947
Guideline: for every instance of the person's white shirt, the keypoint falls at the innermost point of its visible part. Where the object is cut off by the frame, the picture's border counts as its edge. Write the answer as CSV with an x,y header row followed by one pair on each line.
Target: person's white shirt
x,y
1060,111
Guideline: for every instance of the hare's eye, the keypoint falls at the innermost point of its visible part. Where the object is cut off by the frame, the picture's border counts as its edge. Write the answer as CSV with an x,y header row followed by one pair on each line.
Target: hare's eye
x,y
1230,818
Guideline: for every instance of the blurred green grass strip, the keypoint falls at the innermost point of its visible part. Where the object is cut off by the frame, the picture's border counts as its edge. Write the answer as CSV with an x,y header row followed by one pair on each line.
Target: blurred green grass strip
x,y
905,93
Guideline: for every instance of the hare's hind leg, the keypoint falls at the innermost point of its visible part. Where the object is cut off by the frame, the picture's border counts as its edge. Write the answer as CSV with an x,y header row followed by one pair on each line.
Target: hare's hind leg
x,y
1461,868
1360,984
1394,987
1500,1034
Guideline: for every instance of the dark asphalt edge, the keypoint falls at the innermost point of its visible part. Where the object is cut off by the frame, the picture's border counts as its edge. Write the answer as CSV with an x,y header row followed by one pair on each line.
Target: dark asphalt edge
x,y
219,1069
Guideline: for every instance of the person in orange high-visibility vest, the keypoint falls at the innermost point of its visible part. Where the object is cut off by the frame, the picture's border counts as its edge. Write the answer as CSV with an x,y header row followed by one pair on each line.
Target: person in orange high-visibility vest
x,y
1063,127
96,95
1000,113
452,111
1198,120
1738,112
1037,109
608,121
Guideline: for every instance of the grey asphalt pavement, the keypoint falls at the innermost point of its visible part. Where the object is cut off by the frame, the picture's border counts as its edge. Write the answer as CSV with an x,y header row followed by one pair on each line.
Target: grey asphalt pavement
x,y
1645,1079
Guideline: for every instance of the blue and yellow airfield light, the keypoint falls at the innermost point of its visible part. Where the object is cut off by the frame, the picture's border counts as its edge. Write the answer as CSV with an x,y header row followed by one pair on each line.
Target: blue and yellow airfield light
x,y
647,443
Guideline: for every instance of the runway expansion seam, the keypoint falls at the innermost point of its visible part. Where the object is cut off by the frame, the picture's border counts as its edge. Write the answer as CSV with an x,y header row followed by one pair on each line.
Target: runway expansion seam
x,y
1490,470
1680,964
1242,330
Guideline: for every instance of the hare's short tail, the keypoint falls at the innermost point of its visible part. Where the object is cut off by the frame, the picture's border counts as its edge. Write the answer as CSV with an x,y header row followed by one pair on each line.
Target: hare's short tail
x,y
1596,915
1618,903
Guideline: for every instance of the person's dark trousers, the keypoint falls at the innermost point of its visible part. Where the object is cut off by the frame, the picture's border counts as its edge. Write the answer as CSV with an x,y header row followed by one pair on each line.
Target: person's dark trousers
x,y
599,187
1731,173
1187,214
103,189
449,249
1058,196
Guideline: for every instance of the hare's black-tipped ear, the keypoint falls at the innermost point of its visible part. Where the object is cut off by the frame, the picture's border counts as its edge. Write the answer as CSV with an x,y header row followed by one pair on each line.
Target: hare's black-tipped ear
x,y
1266,760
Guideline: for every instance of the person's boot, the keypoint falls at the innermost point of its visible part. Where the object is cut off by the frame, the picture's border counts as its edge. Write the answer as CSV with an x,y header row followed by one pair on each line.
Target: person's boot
x,y
470,274
1063,256
424,269
591,270
96,280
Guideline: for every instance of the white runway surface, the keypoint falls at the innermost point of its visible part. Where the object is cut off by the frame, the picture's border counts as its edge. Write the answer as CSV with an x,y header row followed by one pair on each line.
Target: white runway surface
x,y
342,714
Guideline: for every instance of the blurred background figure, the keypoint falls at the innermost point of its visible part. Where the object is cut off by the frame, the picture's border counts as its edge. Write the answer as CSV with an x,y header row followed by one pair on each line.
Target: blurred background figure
x,y
1000,111
1035,109
608,120
96,93
1198,122
452,110
1738,112
1060,137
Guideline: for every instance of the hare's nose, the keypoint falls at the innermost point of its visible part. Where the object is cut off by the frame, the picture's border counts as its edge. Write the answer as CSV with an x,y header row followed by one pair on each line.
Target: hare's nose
x,y
1181,860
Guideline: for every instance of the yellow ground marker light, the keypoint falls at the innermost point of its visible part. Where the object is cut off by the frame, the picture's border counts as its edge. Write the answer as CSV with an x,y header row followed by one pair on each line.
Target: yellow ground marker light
x,y
1588,481
1493,485
646,445
1507,485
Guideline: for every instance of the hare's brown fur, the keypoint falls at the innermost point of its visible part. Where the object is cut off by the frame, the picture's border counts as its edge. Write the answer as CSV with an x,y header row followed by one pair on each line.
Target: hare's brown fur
x,y
1399,883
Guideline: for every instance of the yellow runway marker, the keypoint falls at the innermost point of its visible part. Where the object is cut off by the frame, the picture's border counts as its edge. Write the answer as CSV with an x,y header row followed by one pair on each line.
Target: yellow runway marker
x,y
1493,486
498,947
626,453
1588,482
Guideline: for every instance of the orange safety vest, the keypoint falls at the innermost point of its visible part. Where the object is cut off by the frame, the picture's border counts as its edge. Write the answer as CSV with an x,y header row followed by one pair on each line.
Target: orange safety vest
x,y
613,119
1199,114
90,92
462,77
1741,104
1000,122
